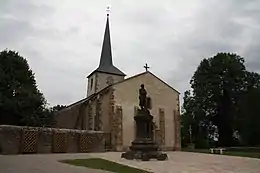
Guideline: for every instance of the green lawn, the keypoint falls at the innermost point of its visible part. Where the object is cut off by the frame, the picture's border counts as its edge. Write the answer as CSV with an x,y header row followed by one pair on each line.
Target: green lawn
x,y
102,164
229,153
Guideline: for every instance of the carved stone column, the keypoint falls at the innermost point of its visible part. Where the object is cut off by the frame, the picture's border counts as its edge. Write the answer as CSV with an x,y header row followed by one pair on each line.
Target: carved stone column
x,y
90,116
162,126
98,122
119,127
177,131
112,122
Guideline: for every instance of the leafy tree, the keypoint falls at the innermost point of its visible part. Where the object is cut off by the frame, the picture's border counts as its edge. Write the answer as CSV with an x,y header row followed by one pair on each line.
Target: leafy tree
x,y
248,111
186,119
217,84
193,119
21,103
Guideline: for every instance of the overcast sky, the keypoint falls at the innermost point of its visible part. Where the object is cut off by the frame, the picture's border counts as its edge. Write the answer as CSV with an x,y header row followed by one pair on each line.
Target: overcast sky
x,y
61,39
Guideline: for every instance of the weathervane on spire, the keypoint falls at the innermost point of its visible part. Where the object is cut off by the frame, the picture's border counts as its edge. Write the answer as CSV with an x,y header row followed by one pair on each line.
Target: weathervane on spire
x,y
108,10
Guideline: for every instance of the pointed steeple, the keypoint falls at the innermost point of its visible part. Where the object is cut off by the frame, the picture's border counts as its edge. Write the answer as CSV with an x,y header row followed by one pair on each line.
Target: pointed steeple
x,y
106,53
106,62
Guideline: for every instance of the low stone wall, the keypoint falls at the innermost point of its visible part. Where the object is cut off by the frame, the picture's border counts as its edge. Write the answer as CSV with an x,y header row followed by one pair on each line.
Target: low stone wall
x,y
20,139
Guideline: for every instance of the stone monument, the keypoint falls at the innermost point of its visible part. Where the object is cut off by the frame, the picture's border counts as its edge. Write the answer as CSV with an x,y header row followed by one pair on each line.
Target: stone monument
x,y
144,147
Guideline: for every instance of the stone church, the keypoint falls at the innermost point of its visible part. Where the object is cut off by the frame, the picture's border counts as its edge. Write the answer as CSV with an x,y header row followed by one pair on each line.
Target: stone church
x,y
112,100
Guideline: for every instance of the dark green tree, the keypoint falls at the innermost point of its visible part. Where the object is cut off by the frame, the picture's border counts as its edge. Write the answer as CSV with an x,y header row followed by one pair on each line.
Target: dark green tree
x,y
186,119
21,103
217,84
247,111
193,121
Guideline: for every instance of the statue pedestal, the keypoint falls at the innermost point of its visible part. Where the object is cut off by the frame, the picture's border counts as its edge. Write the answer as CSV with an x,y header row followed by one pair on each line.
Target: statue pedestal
x,y
144,147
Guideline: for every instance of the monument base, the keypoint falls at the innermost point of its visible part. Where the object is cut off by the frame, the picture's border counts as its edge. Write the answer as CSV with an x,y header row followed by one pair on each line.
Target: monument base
x,y
144,156
144,147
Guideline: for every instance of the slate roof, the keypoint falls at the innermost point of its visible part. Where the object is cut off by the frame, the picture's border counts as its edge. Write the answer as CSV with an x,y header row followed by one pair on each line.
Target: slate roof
x,y
106,62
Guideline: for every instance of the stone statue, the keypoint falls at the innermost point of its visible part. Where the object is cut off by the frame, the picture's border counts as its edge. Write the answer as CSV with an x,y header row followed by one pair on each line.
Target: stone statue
x,y
142,98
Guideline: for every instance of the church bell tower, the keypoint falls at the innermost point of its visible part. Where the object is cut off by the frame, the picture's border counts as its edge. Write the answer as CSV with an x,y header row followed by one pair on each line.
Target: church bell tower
x,y
106,74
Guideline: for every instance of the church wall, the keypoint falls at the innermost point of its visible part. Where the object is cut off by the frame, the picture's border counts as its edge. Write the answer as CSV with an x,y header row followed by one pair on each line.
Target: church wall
x,y
163,97
98,105
105,108
68,117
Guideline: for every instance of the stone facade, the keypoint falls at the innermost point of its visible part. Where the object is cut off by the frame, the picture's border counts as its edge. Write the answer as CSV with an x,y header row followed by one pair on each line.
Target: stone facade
x,y
162,97
17,139
69,118
112,110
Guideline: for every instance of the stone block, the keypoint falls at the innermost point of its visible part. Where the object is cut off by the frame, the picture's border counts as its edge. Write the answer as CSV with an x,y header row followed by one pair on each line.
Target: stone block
x,y
59,141
45,140
10,137
73,138
96,142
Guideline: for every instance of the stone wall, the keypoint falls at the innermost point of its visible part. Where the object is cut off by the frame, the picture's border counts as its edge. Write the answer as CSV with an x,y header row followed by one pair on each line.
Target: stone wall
x,y
17,140
162,97
69,117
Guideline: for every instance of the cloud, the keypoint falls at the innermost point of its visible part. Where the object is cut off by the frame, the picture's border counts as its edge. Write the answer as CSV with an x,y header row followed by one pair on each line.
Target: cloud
x,y
62,41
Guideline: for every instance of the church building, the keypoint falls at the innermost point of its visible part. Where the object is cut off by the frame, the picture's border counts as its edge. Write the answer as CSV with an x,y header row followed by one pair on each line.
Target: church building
x,y
112,102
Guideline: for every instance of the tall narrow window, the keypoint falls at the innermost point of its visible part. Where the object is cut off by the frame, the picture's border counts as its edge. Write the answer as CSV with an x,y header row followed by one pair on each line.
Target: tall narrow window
x,y
91,83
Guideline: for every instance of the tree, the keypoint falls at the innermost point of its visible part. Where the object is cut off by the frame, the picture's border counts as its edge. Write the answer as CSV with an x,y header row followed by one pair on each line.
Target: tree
x,y
193,120
216,84
186,119
21,103
248,111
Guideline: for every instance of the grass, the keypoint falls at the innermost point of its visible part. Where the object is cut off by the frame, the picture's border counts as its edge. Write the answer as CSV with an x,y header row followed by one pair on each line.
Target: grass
x,y
102,164
243,154
229,153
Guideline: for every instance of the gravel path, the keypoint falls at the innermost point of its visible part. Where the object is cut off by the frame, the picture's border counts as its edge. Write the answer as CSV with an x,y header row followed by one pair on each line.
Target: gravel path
x,y
187,162
179,162
42,163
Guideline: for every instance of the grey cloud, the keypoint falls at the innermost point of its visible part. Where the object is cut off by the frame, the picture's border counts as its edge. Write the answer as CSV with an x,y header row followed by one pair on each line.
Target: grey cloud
x,y
215,30
25,10
252,54
12,30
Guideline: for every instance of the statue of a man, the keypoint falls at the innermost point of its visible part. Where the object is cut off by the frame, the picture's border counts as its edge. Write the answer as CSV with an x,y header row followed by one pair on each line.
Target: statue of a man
x,y
142,98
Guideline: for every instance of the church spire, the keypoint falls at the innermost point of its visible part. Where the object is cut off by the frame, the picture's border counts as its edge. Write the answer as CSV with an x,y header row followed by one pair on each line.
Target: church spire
x,y
106,62
106,53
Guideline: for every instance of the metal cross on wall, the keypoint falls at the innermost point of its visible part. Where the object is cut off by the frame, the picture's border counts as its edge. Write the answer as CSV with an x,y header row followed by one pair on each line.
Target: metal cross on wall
x,y
146,67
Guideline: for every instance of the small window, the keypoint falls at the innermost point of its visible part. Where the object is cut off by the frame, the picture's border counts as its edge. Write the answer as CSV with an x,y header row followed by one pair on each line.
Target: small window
x,y
91,83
